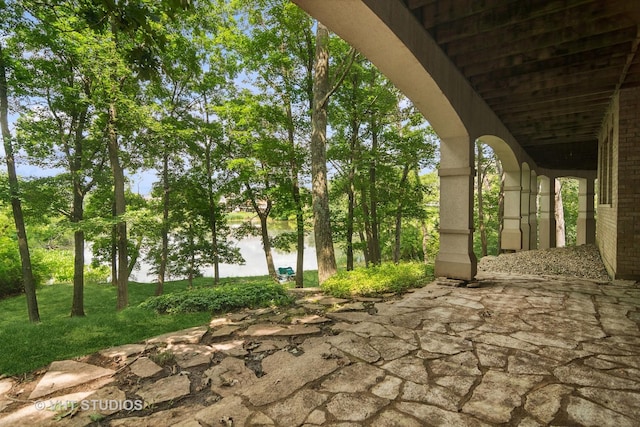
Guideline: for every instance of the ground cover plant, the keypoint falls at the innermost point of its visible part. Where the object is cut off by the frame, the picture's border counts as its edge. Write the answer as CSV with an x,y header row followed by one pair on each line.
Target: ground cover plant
x,y
378,280
26,346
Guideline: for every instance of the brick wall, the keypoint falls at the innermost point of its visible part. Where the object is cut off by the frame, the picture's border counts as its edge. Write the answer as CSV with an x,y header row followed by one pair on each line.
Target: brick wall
x,y
606,223
628,185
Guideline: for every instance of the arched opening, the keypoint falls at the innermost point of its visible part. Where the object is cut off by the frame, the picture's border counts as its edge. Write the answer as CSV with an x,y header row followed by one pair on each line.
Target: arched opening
x,y
498,198
566,211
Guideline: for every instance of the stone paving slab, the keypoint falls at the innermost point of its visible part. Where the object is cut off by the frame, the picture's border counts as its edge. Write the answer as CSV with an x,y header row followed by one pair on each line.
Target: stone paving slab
x,y
514,351
66,374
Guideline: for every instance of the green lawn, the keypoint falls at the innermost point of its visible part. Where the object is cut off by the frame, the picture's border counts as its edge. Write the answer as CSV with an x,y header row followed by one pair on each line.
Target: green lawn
x,y
25,347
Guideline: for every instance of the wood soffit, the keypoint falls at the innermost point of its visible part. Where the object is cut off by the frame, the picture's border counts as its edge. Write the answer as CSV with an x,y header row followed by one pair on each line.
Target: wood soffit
x,y
548,68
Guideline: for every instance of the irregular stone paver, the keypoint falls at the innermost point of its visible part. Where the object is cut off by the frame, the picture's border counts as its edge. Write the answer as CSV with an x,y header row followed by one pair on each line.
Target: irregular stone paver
x,y
586,413
123,351
389,388
498,394
190,355
294,410
145,367
356,346
42,412
186,336
65,374
544,403
285,373
260,330
441,343
353,379
430,394
6,384
312,319
229,376
233,348
392,418
224,331
627,403
519,350
585,376
165,389
176,417
391,348
230,407
409,368
355,407
432,415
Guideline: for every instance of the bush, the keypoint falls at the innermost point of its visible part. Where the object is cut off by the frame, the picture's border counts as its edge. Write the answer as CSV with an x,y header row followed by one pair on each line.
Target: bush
x,y
220,299
376,280
10,267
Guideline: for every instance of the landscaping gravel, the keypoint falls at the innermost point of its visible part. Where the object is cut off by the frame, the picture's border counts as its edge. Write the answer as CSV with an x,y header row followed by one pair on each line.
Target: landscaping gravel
x,y
576,261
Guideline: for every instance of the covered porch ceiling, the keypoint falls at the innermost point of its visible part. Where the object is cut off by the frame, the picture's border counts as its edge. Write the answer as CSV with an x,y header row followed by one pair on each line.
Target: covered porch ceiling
x,y
547,68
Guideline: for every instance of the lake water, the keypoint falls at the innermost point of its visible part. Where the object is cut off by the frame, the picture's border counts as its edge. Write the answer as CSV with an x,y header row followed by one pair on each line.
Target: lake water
x,y
253,254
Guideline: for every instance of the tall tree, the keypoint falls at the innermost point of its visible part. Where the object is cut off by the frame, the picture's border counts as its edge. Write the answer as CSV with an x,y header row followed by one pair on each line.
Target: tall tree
x,y
14,191
322,90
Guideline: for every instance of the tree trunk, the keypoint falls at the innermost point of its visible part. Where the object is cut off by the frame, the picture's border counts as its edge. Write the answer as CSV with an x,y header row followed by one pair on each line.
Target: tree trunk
x,y
480,181
213,208
559,214
376,258
321,216
295,190
120,207
114,249
398,233
266,245
27,273
365,248
77,213
164,251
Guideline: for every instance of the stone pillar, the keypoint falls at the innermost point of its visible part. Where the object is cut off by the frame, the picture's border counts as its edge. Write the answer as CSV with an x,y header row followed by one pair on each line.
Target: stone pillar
x,y
586,227
533,212
547,213
525,199
511,233
455,258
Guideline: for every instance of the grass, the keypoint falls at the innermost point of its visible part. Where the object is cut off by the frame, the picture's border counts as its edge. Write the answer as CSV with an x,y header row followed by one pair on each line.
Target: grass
x,y
378,280
25,347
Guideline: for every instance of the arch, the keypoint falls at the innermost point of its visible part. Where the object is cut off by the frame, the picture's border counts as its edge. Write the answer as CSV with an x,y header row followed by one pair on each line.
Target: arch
x,y
511,236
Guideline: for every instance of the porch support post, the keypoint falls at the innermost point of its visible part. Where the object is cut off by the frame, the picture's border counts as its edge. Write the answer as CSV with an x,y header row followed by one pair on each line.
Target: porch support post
x,y
511,233
525,199
586,230
456,259
533,212
547,213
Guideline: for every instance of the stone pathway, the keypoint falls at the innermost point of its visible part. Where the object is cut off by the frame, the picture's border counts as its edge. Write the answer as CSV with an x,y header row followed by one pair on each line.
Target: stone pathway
x,y
516,351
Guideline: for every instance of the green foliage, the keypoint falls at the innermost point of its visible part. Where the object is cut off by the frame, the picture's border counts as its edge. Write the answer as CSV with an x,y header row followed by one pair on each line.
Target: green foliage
x,y
10,267
569,193
219,299
377,280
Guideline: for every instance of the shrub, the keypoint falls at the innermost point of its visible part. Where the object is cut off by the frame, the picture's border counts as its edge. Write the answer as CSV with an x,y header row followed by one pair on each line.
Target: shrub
x,y
376,280
220,299
10,267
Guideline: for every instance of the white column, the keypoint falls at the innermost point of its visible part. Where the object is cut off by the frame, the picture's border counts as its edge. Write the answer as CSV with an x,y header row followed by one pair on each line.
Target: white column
x,y
525,199
586,227
533,212
455,258
511,233
547,213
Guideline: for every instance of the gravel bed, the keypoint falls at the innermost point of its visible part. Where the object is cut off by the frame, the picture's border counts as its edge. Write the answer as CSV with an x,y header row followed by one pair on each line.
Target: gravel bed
x,y
576,261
